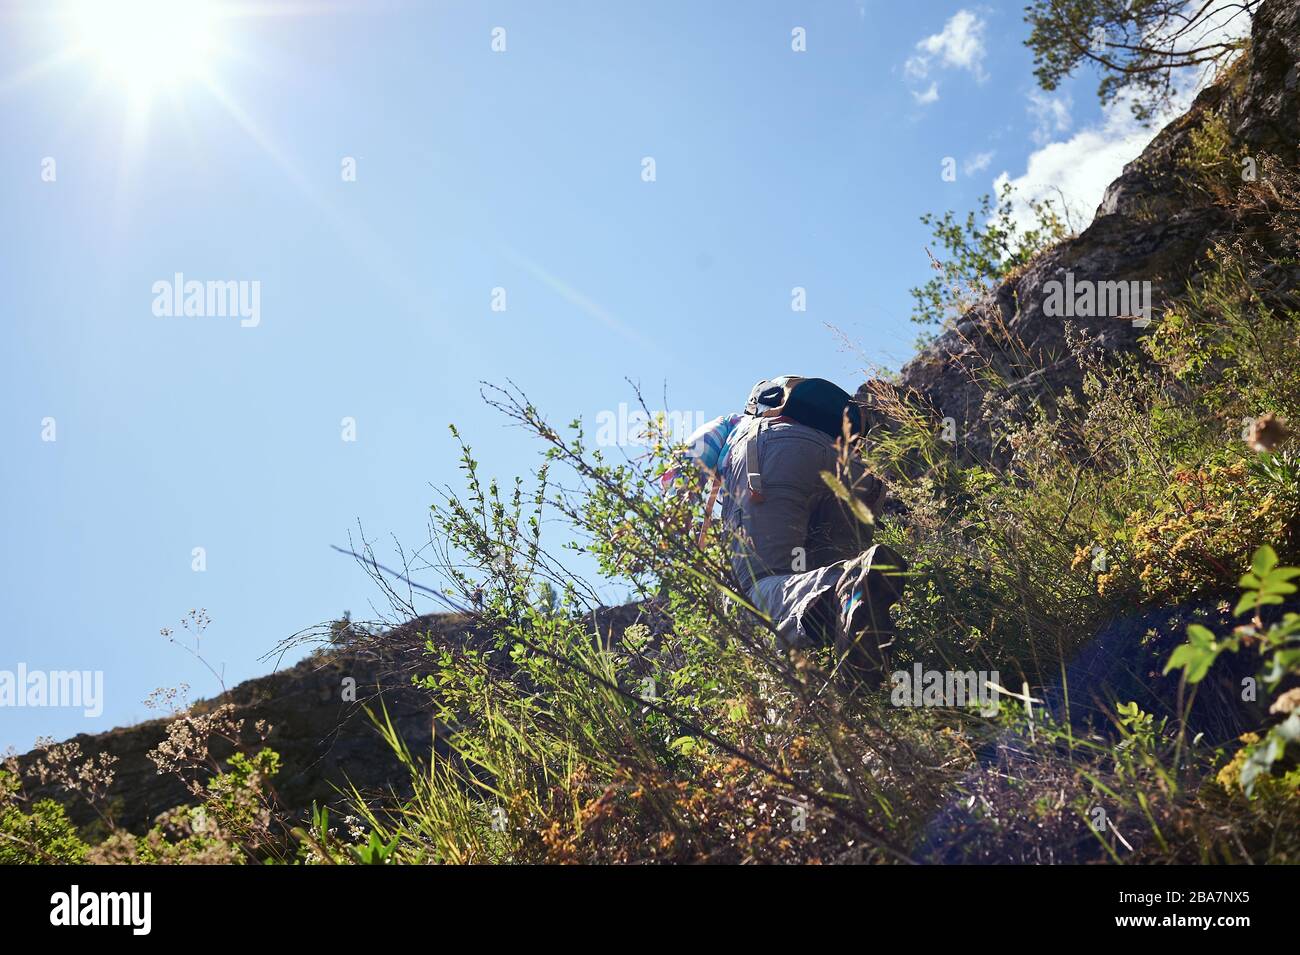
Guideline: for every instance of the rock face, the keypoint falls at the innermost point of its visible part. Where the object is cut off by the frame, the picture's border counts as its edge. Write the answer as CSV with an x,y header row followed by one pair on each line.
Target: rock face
x,y
1268,113
324,740
1150,227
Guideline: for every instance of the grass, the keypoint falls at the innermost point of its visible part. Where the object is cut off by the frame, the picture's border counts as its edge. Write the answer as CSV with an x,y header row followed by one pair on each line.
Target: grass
x,y
1104,527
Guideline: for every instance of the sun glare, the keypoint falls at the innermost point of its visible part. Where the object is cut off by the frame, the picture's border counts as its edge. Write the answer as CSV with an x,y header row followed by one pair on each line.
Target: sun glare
x,y
148,44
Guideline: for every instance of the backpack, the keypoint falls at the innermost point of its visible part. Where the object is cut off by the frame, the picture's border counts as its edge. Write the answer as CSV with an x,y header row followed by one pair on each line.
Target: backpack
x,y
814,402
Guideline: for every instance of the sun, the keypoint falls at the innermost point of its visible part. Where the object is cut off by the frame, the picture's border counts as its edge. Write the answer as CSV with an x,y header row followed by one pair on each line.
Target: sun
x,y
148,45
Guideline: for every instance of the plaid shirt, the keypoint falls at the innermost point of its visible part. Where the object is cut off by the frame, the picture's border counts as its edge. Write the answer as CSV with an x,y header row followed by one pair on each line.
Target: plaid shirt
x,y
706,448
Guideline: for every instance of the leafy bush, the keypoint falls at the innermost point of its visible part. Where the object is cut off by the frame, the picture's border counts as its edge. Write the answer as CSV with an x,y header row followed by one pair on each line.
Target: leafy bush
x,y
1278,644
673,729
42,836
981,252
1199,533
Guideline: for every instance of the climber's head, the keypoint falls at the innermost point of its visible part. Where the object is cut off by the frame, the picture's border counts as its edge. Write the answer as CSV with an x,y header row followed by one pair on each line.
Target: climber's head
x,y
816,402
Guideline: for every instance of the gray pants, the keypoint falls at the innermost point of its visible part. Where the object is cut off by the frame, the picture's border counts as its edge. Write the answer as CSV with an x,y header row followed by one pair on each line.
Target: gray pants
x,y
802,606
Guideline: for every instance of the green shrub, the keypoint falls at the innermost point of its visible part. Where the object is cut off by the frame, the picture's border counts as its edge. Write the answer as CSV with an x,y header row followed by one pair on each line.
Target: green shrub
x,y
42,836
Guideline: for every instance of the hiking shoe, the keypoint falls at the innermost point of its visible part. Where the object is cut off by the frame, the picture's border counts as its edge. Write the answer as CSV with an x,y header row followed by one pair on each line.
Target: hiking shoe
x,y
872,583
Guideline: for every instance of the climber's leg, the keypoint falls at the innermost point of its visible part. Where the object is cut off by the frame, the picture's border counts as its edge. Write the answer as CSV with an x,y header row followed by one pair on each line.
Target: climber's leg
x,y
871,583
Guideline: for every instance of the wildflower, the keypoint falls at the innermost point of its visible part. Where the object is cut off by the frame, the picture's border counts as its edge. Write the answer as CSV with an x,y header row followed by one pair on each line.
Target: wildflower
x,y
1288,702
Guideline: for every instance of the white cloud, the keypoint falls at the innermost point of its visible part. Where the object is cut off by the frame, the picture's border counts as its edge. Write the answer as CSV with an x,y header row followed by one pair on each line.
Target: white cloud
x,y
1078,169
927,97
1051,115
960,46
977,163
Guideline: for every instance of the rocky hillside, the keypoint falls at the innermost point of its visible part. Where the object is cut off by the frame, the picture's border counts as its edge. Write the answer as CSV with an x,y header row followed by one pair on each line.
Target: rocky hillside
x,y
325,740
1150,226
324,735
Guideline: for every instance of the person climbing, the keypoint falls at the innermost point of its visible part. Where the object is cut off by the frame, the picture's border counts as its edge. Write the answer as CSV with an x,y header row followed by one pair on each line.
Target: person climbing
x,y
796,501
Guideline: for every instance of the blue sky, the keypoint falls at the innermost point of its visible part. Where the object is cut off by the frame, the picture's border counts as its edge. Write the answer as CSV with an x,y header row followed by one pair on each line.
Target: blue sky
x,y
475,170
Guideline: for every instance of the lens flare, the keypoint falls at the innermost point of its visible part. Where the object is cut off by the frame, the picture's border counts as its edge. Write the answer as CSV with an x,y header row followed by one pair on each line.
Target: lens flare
x,y
148,44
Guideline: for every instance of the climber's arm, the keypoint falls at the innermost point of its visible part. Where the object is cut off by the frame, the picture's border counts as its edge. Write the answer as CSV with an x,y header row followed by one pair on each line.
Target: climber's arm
x,y
701,457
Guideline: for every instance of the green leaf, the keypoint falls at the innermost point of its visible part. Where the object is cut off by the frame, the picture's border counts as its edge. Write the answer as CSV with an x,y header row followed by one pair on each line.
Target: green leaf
x,y
1266,752
1265,559
1196,656
686,745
